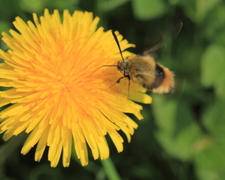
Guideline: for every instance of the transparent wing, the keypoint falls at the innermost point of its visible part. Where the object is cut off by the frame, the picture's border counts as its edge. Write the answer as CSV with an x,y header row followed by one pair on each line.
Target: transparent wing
x,y
159,46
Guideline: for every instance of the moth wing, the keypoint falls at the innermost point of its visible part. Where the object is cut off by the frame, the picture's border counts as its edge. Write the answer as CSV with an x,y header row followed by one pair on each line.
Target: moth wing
x,y
159,46
156,50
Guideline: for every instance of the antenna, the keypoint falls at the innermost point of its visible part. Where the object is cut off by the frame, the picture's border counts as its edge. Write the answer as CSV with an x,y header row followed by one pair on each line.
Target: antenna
x,y
118,44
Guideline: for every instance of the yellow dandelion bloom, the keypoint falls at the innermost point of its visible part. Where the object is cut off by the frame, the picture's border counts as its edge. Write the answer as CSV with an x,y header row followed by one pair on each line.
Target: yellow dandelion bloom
x,y
59,94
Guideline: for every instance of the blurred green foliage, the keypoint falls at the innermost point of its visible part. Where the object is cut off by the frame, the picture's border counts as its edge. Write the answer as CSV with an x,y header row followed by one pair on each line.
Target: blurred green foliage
x,y
183,135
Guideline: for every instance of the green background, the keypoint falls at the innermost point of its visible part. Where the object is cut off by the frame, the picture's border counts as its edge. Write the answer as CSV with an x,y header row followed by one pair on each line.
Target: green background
x,y
183,135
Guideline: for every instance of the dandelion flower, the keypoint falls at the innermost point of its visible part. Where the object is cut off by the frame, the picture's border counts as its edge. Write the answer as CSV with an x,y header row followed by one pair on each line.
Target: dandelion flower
x,y
58,92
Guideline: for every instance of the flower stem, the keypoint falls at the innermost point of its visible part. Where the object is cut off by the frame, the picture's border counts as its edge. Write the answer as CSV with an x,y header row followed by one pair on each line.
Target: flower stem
x,y
110,169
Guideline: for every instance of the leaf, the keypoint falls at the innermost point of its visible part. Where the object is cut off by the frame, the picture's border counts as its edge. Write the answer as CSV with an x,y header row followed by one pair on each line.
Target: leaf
x,y
177,130
113,4
38,6
215,32
210,163
4,26
165,113
212,65
32,5
197,10
204,7
148,9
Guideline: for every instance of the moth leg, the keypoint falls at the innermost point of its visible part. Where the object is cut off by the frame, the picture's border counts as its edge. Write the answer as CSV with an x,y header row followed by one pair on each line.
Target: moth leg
x,y
118,81
125,76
